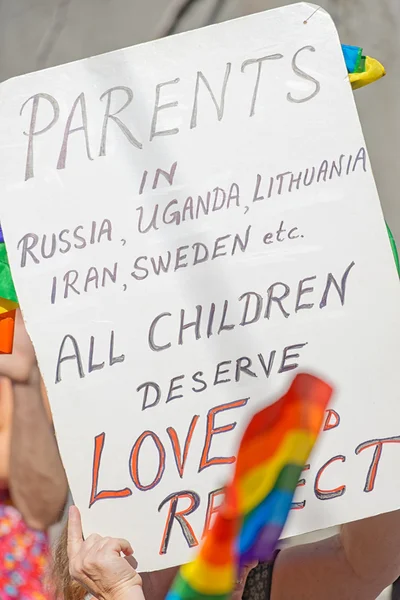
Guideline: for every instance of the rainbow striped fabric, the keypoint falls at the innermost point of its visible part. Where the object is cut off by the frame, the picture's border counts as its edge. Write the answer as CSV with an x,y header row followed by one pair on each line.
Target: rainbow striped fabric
x,y
271,457
8,301
362,70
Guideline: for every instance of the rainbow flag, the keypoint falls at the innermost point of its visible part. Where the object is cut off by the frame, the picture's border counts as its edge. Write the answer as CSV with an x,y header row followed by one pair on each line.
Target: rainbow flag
x,y
271,457
394,250
8,301
362,70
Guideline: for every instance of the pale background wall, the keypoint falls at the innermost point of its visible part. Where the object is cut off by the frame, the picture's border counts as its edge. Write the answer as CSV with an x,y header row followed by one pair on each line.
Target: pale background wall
x,y
40,33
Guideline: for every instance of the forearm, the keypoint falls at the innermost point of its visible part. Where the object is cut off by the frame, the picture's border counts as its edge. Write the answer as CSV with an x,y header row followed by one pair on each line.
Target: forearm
x,y
357,564
157,584
313,572
372,547
38,483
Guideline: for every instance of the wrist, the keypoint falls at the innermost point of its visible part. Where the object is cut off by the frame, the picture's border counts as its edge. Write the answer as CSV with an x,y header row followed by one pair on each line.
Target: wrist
x,y
132,590
133,593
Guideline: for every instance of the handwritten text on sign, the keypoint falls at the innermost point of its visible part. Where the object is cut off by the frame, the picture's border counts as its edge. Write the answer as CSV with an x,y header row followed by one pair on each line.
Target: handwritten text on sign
x,y
189,222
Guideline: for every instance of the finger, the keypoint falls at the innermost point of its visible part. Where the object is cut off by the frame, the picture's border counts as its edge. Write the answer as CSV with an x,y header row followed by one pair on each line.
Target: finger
x,y
242,576
246,571
120,545
75,536
93,541
251,566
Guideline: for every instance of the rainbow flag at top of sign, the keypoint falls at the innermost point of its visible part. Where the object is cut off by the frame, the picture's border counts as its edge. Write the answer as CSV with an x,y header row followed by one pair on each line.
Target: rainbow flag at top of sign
x,y
362,70
8,301
271,457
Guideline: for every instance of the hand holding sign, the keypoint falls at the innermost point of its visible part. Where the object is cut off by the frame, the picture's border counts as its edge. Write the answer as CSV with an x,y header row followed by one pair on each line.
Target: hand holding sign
x,y
97,564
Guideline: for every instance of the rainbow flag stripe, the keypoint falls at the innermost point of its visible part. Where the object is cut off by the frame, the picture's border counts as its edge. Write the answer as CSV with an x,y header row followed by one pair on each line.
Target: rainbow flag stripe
x,y
362,70
271,457
8,301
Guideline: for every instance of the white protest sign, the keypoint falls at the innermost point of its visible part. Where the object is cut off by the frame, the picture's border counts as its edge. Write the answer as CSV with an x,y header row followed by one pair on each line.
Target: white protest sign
x,y
189,222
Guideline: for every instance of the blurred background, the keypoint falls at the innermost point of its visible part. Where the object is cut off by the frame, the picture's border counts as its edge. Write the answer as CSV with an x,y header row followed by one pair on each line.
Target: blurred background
x,y
35,34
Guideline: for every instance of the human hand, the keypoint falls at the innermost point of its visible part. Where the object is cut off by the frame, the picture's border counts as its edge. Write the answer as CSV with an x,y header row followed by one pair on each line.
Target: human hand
x,y
97,564
241,583
21,365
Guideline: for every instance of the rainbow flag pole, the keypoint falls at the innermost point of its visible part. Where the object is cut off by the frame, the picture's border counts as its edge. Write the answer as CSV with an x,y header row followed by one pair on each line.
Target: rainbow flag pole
x,y
271,457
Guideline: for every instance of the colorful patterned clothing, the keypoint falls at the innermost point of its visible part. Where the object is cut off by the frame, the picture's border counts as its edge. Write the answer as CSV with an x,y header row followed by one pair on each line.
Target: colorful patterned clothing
x,y
24,556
